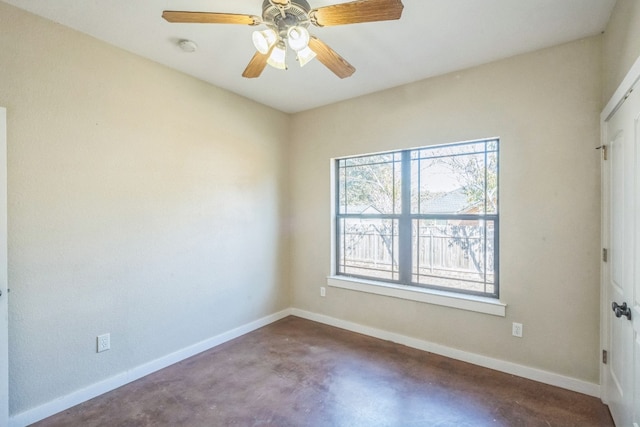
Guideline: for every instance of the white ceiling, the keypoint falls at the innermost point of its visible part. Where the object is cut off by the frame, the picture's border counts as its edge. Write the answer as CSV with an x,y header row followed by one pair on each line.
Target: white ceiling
x,y
433,37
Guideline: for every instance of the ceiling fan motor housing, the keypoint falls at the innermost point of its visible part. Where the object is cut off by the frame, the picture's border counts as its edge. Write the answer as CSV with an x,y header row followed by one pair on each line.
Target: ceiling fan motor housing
x,y
296,14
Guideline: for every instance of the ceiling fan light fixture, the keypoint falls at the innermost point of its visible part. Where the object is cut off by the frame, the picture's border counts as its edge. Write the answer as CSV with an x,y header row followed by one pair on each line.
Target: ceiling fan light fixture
x,y
277,59
263,40
298,38
305,55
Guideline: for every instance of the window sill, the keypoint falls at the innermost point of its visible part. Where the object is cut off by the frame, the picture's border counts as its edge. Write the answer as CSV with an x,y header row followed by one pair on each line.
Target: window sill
x,y
413,293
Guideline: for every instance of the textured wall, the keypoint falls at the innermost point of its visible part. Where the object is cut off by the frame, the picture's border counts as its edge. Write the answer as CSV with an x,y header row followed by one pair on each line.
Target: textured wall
x,y
621,45
142,202
545,107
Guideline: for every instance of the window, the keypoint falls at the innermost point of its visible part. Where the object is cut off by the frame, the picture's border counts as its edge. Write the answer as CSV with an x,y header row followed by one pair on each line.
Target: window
x,y
424,217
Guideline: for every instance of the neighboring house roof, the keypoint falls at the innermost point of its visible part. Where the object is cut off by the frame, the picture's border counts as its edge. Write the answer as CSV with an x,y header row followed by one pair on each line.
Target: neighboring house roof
x,y
362,209
453,202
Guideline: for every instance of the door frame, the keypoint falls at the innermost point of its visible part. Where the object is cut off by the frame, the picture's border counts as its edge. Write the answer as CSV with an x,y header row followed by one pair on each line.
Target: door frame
x,y
4,298
631,79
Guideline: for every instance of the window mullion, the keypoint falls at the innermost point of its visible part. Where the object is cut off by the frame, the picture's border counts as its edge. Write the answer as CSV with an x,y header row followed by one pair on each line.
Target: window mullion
x,y
404,226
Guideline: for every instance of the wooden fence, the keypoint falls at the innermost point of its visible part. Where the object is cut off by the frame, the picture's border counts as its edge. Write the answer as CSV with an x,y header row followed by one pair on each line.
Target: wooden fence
x,y
437,250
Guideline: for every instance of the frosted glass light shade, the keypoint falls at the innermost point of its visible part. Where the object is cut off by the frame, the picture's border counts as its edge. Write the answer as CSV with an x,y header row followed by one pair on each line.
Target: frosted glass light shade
x,y
263,40
305,55
298,38
277,59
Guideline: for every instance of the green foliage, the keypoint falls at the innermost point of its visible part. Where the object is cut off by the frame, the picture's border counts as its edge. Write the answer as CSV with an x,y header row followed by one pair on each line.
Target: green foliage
x,y
370,182
471,172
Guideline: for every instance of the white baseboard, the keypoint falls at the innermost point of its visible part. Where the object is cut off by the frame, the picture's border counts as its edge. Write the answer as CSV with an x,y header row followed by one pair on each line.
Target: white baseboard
x,y
534,374
50,408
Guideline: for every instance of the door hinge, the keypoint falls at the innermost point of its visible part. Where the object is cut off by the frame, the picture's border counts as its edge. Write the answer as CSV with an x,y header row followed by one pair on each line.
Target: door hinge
x,y
605,254
604,356
604,151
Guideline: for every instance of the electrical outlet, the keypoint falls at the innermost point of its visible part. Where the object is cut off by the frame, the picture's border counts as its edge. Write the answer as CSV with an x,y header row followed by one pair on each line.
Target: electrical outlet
x,y
104,342
323,291
516,329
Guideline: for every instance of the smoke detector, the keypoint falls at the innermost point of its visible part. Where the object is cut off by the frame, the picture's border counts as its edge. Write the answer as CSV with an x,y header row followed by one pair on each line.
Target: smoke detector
x,y
188,46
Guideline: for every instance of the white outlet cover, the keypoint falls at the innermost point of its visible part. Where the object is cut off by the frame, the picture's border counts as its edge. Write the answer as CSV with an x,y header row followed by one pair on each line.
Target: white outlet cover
x,y
103,342
516,330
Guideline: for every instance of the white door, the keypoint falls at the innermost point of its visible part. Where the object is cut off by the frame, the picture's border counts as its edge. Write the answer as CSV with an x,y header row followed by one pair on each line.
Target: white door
x,y
622,277
4,312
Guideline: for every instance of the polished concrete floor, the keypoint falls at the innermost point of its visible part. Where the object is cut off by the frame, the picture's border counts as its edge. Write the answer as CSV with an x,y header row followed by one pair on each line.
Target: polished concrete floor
x,y
300,373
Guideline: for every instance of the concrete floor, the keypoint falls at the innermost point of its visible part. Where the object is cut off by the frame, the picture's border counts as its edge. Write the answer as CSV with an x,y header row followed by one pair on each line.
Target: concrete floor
x,y
300,373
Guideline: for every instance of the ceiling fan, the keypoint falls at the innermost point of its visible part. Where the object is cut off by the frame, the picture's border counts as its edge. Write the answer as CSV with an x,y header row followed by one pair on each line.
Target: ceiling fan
x,y
287,22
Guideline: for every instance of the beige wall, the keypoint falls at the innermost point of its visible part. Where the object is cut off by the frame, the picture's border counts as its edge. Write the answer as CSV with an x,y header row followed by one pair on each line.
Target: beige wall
x,y
544,106
142,202
621,45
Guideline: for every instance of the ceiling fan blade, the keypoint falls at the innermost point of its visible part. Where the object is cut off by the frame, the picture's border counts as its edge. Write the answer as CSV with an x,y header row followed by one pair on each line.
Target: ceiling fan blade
x,y
330,58
257,64
357,12
208,18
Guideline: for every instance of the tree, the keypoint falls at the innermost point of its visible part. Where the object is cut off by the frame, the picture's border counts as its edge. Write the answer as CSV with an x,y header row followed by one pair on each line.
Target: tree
x,y
472,173
372,181
478,176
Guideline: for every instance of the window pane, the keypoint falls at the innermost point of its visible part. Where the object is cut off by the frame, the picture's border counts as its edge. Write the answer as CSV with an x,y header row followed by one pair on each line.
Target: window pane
x,y
454,254
369,247
370,185
492,183
458,179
